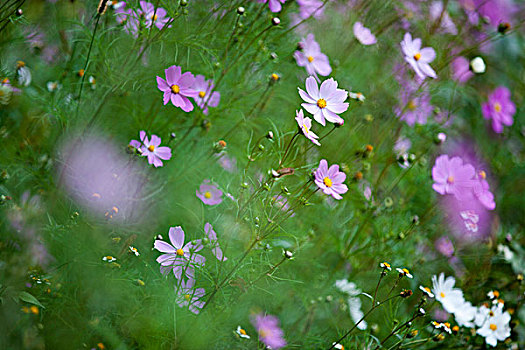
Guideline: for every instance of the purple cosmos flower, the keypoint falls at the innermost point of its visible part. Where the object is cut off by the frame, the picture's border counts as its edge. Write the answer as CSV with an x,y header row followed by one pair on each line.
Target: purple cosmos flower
x,y
451,176
499,108
496,11
212,236
325,103
305,124
415,106
482,191
418,58
269,331
444,246
151,149
152,16
308,8
205,98
178,87
178,256
311,57
209,193
274,5
188,295
363,34
438,14
330,180
461,70
281,203
101,178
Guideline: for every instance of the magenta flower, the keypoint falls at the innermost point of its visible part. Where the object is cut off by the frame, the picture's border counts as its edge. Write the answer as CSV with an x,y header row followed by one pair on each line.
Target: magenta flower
x,y
437,13
325,103
415,106
151,149
188,295
178,87
212,236
418,58
178,256
451,176
496,11
151,16
308,8
274,5
444,246
499,108
206,96
305,124
209,193
330,180
461,70
363,34
269,331
482,192
311,57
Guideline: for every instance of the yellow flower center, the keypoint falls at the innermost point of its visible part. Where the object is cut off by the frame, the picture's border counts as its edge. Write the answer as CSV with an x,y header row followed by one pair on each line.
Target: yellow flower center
x,y
386,264
207,195
450,179
442,294
427,289
483,175
151,148
306,131
187,297
321,103
497,107
180,252
275,77
109,257
310,59
155,17
412,105
202,94
493,327
175,89
491,313
447,324
417,56
406,271
242,331
327,181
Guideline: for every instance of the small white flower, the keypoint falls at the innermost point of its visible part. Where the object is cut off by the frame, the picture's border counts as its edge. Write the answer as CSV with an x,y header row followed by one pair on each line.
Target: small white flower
x,y
496,327
404,272
445,326
242,333
53,86
451,298
23,73
338,346
357,96
354,303
93,82
386,266
109,258
427,291
493,294
134,250
465,314
478,65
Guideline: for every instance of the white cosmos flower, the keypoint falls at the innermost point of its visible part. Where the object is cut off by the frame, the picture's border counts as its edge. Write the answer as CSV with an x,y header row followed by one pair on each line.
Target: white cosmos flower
x,y
496,327
465,314
354,303
451,298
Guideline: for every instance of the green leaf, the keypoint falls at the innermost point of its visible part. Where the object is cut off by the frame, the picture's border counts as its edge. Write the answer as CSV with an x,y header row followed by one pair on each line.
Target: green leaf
x,y
28,298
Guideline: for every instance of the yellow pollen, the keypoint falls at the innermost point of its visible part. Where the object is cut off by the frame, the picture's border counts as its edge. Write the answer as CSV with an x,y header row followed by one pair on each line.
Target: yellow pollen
x,y
483,176
497,107
417,56
242,331
207,195
412,105
310,59
406,271
151,148
327,181
175,89
427,289
321,103
493,327
447,324
386,264
155,17
442,294
179,252
450,179
202,94
306,129
187,296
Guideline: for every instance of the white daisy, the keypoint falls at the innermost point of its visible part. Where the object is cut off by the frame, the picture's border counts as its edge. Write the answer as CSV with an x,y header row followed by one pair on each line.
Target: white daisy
x,y
242,333
109,258
134,250
404,272
465,314
451,298
427,291
496,327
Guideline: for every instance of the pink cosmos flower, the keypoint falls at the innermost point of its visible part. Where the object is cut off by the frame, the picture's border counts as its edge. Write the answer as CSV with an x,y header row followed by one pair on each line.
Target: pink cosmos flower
x,y
418,58
269,331
308,8
209,193
205,98
482,191
178,87
151,149
496,11
325,103
151,16
274,5
212,236
438,14
143,17
311,57
415,106
461,70
281,203
451,176
499,108
305,124
330,180
178,256
444,246
188,295
363,34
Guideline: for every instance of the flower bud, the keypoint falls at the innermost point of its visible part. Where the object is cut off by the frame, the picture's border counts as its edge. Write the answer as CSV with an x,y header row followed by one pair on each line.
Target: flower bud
x,y
477,65
276,21
240,10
